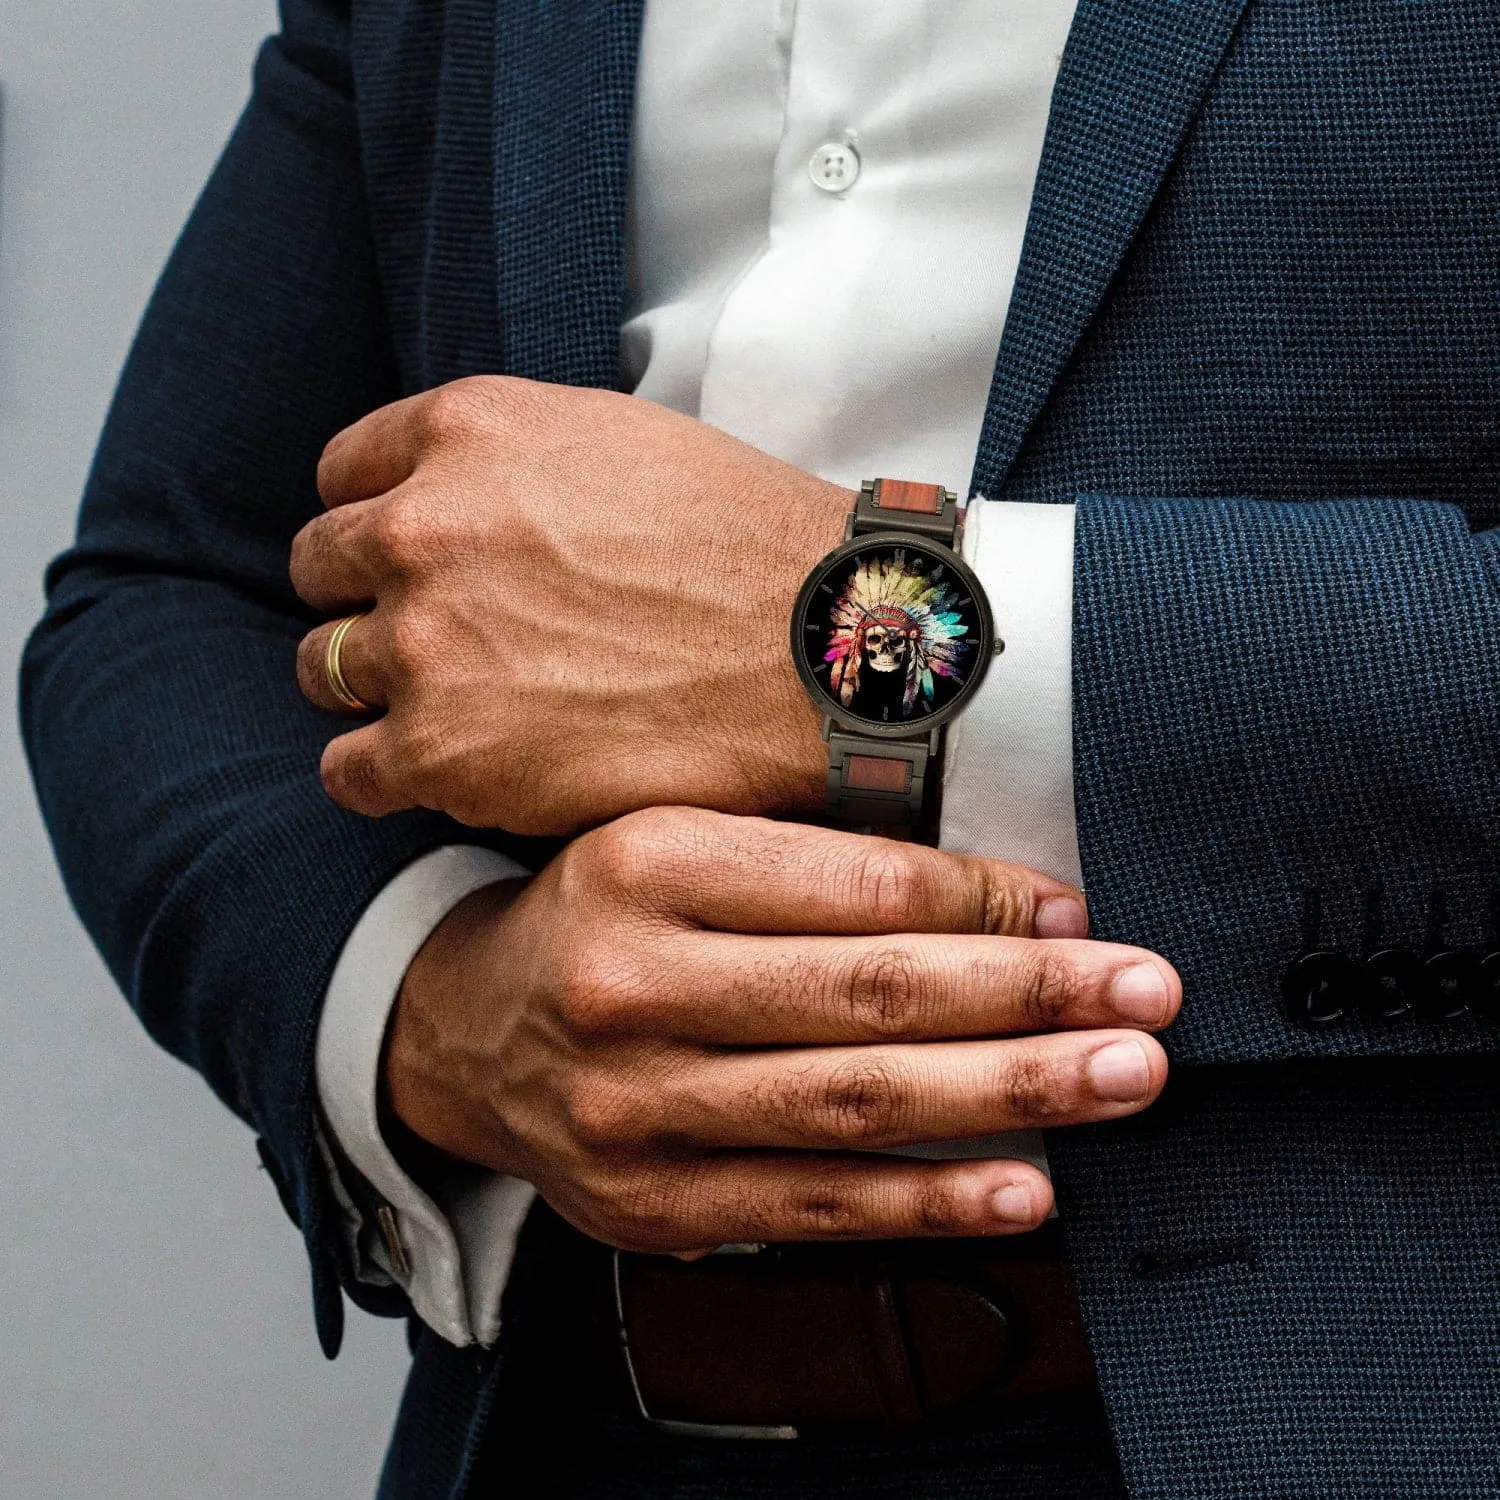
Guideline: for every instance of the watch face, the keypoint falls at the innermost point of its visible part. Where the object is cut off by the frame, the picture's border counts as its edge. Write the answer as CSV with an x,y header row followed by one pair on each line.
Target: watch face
x,y
891,634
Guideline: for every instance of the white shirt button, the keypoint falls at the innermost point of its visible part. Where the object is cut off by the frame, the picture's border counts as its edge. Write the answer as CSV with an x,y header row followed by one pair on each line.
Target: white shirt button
x,y
834,166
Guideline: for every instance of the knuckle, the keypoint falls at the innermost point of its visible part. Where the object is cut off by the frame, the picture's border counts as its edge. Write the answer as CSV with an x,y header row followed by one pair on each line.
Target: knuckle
x,y
650,1210
600,993
578,888
316,553
826,1207
352,778
887,883
329,457
405,534
301,555
640,849
936,1211
862,1099
311,652
1050,991
1030,1088
453,412
882,992
619,853
1007,903
331,774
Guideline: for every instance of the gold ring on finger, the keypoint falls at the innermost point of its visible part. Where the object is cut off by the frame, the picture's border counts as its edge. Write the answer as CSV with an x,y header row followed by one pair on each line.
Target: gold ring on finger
x,y
333,666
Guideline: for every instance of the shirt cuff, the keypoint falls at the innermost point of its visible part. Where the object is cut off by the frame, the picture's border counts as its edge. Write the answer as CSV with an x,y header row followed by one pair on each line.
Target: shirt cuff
x,y
1008,767
451,1248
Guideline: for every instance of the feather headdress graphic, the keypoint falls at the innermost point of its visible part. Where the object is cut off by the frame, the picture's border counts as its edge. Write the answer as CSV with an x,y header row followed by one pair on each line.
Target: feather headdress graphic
x,y
893,617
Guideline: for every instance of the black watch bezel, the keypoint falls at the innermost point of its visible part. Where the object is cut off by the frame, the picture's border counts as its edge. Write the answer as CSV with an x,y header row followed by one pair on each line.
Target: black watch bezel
x,y
825,703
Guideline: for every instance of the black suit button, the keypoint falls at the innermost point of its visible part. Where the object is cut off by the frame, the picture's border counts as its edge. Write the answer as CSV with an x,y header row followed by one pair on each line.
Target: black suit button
x,y
1396,982
1320,987
1487,990
1455,984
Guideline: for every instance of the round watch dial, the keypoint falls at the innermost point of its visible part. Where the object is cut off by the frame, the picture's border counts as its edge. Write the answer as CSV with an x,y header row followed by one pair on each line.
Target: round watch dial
x,y
891,634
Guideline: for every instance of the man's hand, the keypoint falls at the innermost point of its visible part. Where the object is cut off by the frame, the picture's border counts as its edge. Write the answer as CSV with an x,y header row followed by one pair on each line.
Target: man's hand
x,y
648,1035
580,607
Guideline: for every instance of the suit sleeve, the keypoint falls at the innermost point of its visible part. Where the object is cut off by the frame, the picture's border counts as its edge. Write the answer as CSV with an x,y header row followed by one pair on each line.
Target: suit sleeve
x,y
1287,739
176,763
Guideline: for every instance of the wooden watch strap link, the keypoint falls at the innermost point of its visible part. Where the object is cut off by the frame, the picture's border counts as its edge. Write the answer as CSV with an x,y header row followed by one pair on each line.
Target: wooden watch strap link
x,y
877,773
901,504
880,785
903,494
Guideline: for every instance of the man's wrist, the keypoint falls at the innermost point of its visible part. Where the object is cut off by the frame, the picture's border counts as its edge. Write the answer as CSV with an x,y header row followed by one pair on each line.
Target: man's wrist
x,y
787,765
424,1084
781,757
397,1228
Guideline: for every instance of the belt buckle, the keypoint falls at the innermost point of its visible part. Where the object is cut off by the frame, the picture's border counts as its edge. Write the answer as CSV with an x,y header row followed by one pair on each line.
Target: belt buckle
x,y
717,1430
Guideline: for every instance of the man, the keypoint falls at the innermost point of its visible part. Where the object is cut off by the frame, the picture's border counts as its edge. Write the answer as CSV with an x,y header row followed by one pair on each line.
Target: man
x,y
1239,460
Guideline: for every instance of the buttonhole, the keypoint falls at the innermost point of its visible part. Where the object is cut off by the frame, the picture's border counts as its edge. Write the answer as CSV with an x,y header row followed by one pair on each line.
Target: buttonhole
x,y
1155,1263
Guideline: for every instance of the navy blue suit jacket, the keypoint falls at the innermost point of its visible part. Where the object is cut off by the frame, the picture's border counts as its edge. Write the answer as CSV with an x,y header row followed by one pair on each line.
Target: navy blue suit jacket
x,y
1256,337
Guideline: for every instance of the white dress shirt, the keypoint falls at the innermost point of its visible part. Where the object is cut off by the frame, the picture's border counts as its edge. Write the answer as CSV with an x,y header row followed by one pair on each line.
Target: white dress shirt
x,y
827,208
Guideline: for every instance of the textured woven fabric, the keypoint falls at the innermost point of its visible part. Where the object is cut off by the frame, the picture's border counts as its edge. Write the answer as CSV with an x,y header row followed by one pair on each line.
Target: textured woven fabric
x,y
1285,679
1290,1280
1256,333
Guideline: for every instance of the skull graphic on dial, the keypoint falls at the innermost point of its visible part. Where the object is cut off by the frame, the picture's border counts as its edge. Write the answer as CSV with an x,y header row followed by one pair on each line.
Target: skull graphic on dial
x,y
885,648
891,634
898,627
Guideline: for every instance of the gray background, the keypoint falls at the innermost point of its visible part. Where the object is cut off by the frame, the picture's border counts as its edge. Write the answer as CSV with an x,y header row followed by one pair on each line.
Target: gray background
x,y
155,1330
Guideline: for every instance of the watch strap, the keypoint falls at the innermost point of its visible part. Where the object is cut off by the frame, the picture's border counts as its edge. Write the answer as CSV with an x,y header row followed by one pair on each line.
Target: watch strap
x,y
900,505
881,785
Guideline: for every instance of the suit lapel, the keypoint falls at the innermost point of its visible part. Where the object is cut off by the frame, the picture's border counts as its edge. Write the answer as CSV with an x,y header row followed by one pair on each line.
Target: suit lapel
x,y
1132,78
564,94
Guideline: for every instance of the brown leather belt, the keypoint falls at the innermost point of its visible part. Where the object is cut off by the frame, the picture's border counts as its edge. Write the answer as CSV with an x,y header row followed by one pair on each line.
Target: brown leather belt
x,y
770,1341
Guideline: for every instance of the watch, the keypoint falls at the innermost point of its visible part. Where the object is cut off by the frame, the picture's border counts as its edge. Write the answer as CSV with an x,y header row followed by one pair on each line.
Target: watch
x,y
892,635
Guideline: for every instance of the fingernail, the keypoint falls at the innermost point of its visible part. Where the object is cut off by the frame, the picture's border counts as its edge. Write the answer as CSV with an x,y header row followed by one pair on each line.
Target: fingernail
x,y
1013,1203
1062,917
1120,1072
1140,994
